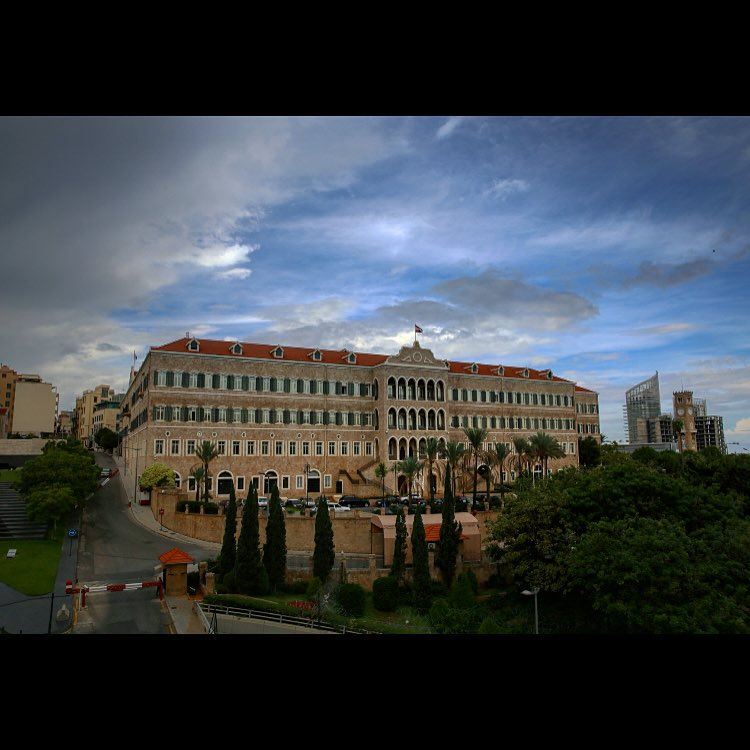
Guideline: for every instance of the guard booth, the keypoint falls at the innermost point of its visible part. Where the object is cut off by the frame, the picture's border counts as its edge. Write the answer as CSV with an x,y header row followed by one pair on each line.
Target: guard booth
x,y
174,573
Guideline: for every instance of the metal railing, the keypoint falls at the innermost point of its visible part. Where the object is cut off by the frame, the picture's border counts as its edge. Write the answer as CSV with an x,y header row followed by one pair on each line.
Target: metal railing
x,y
272,617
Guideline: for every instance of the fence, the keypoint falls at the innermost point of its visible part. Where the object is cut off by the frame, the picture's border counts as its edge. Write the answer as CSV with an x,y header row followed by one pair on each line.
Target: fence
x,y
204,609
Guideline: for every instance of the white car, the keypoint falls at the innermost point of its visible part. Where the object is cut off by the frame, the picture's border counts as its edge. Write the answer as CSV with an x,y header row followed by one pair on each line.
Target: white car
x,y
262,502
336,506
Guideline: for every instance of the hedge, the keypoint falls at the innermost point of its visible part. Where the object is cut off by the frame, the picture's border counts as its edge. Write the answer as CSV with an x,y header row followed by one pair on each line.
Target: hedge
x,y
385,594
351,599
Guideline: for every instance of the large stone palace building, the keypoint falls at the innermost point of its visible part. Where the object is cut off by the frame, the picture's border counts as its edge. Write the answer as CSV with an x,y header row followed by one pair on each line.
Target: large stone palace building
x,y
318,420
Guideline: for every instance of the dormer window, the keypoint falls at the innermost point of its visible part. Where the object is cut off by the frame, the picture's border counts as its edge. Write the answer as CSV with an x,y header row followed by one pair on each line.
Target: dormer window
x,y
474,367
548,374
278,352
500,370
236,348
316,355
351,358
525,372
193,345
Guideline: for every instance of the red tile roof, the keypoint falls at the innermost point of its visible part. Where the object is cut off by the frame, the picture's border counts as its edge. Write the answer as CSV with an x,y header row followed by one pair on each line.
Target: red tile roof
x,y
336,357
584,390
432,532
175,556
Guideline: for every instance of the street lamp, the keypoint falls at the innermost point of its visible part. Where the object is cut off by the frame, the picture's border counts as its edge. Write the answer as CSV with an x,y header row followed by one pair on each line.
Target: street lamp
x,y
534,593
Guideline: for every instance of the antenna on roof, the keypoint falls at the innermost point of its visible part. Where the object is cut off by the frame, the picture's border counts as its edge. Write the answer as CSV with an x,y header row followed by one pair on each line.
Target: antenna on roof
x,y
187,334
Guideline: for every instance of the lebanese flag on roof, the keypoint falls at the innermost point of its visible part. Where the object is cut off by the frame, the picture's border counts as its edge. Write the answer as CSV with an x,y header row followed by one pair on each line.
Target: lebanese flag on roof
x,y
417,329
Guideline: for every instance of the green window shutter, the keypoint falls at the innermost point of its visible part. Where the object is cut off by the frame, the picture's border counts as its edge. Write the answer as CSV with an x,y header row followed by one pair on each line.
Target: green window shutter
x,y
245,383
156,376
201,380
230,416
258,416
313,386
200,415
351,418
168,413
300,385
183,414
326,387
361,389
230,382
170,378
287,418
215,380
339,419
215,414
153,414
272,416
350,389
243,416
287,385
186,380
300,416
258,383
272,385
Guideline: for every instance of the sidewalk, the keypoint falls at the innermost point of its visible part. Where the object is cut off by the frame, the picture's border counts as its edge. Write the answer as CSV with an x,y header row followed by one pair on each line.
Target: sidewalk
x,y
182,611
143,515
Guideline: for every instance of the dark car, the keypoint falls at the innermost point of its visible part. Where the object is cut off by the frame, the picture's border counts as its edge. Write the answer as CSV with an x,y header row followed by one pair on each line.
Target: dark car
x,y
388,500
294,504
354,502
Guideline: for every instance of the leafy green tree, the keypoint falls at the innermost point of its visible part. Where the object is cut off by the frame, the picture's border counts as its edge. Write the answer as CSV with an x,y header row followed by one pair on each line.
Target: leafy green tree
x,y
421,588
206,452
450,535
50,503
156,475
228,556
197,473
249,568
454,454
589,452
398,567
545,447
67,466
476,437
461,595
410,467
274,550
381,472
106,439
324,555
522,446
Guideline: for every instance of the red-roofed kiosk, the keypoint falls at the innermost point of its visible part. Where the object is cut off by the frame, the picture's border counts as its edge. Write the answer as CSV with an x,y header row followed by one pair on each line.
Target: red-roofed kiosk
x,y
175,564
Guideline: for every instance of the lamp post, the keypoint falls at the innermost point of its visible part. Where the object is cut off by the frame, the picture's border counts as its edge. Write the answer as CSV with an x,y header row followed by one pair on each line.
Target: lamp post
x,y
534,593
307,472
135,474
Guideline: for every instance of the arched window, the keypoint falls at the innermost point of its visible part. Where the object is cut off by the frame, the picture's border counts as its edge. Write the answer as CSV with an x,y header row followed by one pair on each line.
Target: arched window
x,y
412,447
402,447
224,483
270,478
391,387
401,388
392,449
441,420
391,418
421,390
431,419
412,390
430,390
412,419
402,419
422,448
177,480
440,391
422,419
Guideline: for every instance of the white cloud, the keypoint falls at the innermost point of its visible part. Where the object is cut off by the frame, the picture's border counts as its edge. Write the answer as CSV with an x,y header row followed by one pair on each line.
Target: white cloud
x,y
234,274
448,127
503,188
218,256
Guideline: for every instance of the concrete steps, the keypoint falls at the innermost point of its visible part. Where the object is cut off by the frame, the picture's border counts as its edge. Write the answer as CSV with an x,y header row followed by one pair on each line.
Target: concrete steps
x,y
14,523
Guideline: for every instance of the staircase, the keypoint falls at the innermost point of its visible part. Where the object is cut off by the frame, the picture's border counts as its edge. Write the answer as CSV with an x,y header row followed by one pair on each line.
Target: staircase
x,y
14,523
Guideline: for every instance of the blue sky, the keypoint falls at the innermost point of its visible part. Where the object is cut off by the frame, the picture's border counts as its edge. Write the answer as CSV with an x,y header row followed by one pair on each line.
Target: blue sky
x,y
605,248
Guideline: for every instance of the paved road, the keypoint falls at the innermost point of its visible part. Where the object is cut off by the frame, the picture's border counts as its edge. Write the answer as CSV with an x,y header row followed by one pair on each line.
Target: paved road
x,y
117,549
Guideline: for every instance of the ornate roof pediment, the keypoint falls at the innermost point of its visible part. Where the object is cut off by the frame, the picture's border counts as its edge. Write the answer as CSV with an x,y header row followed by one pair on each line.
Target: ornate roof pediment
x,y
416,356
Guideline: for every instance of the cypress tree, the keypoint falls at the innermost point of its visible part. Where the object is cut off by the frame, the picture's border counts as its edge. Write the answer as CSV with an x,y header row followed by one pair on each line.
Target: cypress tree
x,y
421,566
274,550
399,550
450,535
248,571
228,554
324,554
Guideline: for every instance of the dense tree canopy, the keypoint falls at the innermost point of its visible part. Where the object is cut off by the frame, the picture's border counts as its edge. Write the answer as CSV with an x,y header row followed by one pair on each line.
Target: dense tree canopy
x,y
657,542
156,475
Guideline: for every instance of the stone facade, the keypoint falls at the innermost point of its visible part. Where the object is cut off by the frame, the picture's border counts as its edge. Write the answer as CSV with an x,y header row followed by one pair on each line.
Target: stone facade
x,y
317,421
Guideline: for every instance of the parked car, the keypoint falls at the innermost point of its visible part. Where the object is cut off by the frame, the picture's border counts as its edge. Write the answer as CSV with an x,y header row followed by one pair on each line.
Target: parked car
x,y
337,506
104,473
262,502
350,501
291,503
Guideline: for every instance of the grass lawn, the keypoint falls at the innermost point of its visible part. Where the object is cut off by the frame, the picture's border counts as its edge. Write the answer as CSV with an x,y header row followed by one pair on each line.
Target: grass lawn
x,y
10,475
32,571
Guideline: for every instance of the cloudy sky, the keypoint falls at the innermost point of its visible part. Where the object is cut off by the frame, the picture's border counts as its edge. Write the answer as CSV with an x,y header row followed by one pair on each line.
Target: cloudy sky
x,y
605,248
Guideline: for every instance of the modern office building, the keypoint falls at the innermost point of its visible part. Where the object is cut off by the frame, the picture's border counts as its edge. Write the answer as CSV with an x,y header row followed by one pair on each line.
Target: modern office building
x,y
642,401
318,420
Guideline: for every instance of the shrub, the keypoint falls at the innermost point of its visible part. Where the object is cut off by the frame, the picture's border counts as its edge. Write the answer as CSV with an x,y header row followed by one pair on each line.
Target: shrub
x,y
211,509
351,599
296,587
489,627
193,506
181,505
156,475
445,619
313,587
385,595
472,576
461,596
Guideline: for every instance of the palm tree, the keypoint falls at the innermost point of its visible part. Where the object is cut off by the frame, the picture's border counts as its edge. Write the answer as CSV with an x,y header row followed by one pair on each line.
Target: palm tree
x,y
475,436
453,453
197,473
521,445
546,447
496,457
381,472
432,448
410,468
206,452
